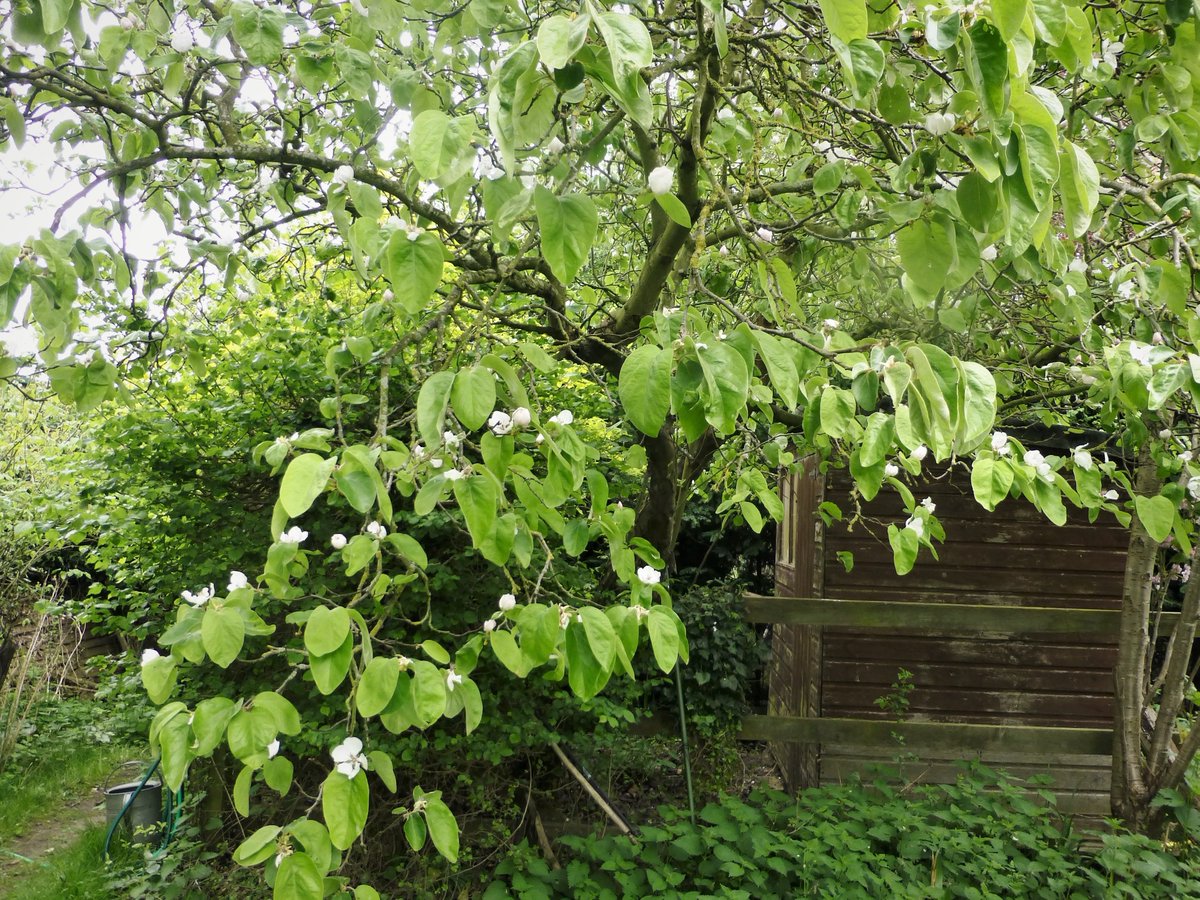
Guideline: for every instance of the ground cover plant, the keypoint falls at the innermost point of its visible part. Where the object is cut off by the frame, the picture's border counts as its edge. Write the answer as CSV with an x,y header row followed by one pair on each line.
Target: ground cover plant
x,y
407,333
983,837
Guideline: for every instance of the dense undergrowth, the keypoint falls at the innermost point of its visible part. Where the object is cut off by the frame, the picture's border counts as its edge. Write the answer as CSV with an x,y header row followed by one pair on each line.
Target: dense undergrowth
x,y
983,837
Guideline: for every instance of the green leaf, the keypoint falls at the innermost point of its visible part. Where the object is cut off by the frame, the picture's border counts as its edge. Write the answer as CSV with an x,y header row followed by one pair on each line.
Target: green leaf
x,y
381,765
432,402
568,228
1157,515
209,721
1079,187
326,630
443,830
55,14
1050,20
644,387
837,412
345,803
847,19
304,481
415,832
298,878
987,66
725,385
905,544
330,670
412,263
440,146
257,848
223,630
991,480
356,486
158,678
865,60
781,368
473,396
277,773
560,38
477,498
664,637
428,691
259,31
241,791
600,635
927,253
374,690
675,209
628,42
1009,16
877,439
284,714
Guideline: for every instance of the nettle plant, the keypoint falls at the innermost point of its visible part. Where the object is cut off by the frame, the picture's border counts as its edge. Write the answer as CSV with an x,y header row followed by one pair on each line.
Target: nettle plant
x,y
509,483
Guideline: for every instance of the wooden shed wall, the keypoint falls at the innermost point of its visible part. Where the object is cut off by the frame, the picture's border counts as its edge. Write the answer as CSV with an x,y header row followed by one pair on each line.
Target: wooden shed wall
x,y
1013,557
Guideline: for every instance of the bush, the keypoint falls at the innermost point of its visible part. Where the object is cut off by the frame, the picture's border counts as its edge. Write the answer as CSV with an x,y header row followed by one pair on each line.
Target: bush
x,y
982,837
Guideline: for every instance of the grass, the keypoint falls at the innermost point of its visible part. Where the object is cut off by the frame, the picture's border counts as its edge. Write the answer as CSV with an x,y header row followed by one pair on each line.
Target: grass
x,y
26,796
73,873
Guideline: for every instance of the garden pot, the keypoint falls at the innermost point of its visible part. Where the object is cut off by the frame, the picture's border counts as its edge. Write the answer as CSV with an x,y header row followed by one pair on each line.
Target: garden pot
x,y
143,818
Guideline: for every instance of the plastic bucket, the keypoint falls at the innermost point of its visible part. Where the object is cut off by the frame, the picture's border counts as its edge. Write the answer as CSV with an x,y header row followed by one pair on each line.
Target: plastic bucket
x,y
144,816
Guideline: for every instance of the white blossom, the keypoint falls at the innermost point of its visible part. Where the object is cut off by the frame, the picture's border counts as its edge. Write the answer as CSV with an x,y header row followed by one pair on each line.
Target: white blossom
x,y
1140,353
507,602
521,417
669,311
273,749
414,233
1125,289
453,475
891,470
1110,50
766,234
377,530
349,757
418,451
450,439
1077,265
500,423
829,324
940,123
988,253
294,535
915,524
1185,456
660,180
556,146
436,462
539,438
1193,487
1082,457
649,575
1034,458
1110,495
565,417
1000,443
149,655
920,453
453,679
200,598
489,625
338,541
724,114
929,504
343,174
237,581
182,40
723,250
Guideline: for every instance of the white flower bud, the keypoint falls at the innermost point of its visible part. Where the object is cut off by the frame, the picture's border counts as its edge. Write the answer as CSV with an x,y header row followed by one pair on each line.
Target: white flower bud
x,y
182,40
660,180
343,175
521,417
988,253
338,541
507,602
149,655
649,575
920,453
489,625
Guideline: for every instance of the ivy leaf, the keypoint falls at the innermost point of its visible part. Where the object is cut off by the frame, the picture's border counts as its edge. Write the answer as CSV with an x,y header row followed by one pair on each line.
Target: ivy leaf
x,y
644,387
345,803
568,228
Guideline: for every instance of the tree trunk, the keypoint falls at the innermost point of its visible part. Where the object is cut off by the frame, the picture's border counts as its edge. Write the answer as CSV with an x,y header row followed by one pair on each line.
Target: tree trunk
x,y
1130,797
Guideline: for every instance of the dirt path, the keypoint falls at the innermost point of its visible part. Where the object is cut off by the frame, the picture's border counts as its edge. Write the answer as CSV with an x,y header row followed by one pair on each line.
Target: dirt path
x,y
59,828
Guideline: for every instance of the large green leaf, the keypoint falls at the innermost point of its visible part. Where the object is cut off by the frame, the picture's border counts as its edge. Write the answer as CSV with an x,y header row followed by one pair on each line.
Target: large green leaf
x,y
1157,515
645,388
473,396
304,481
1079,187
223,630
478,499
259,31
987,66
326,630
1009,16
927,253
412,263
560,38
441,146
376,686
725,386
628,42
847,19
443,830
298,878
432,401
781,368
568,228
345,803
664,637
990,481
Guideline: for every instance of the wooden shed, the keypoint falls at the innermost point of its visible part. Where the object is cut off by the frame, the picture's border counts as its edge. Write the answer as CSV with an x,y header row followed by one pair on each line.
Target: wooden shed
x,y
1010,639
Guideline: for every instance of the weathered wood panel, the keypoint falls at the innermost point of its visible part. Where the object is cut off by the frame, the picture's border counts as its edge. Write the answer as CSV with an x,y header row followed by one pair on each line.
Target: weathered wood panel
x,y
905,649
940,736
